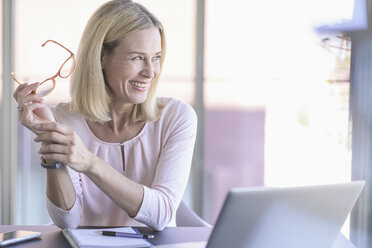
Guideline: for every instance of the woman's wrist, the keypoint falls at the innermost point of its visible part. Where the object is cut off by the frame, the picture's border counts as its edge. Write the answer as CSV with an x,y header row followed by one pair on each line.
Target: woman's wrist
x,y
49,164
92,167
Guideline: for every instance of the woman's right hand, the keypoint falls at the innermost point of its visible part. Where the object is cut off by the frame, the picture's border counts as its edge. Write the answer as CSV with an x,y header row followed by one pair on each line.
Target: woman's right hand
x,y
31,108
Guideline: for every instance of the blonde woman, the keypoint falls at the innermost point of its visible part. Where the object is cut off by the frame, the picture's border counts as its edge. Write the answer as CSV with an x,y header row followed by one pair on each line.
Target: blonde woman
x,y
125,153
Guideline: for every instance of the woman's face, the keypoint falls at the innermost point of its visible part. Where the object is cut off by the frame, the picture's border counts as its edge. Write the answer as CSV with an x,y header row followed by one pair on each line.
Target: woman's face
x,y
131,68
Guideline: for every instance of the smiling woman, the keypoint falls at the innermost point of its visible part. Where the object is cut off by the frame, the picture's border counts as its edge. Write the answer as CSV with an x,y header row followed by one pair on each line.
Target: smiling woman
x,y
37,21
126,153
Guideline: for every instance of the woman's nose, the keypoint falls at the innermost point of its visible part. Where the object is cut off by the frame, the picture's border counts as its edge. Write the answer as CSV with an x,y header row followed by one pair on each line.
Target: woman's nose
x,y
149,70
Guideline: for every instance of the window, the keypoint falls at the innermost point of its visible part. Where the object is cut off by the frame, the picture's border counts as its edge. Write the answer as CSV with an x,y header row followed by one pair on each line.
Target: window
x,y
276,99
36,22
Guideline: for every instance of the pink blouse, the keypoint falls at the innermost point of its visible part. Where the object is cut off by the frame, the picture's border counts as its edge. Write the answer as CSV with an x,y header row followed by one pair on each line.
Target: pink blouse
x,y
159,158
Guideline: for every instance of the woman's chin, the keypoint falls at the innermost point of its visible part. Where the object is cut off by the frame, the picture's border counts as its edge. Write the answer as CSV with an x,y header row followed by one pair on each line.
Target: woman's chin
x,y
139,99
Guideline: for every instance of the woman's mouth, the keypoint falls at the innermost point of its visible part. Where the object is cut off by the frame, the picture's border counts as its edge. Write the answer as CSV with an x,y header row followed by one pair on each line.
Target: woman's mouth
x,y
139,85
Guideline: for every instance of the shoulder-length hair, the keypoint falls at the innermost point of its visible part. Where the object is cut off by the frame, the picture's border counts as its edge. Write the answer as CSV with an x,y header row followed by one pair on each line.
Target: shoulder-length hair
x,y
90,97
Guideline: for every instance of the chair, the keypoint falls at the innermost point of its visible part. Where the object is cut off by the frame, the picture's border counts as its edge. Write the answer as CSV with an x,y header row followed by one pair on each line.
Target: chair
x,y
185,216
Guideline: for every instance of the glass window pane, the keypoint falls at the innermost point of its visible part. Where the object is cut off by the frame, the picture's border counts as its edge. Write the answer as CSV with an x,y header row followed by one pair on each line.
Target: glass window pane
x,y
276,97
33,26
177,79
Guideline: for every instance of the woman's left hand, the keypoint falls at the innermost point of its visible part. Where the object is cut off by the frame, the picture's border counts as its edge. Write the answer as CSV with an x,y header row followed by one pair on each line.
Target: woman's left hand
x,y
60,144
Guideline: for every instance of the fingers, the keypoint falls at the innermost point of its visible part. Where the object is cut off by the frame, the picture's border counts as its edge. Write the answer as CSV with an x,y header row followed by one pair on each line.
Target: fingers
x,y
48,148
63,145
58,152
32,106
54,132
53,137
33,98
18,89
26,113
52,127
25,90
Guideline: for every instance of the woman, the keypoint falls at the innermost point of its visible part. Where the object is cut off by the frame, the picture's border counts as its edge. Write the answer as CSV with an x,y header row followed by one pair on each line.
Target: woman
x,y
126,153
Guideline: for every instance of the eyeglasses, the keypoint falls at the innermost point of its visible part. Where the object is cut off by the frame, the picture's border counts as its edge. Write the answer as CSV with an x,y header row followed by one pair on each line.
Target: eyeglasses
x,y
48,85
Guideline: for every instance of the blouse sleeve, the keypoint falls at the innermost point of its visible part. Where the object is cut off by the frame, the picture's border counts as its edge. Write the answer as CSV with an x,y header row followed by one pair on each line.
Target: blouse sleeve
x,y
70,218
161,200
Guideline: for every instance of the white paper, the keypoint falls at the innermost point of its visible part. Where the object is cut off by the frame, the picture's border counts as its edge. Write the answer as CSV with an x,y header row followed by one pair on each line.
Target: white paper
x,y
89,238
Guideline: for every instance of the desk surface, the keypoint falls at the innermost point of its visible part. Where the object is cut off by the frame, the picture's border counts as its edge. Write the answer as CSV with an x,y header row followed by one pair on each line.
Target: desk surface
x,y
53,237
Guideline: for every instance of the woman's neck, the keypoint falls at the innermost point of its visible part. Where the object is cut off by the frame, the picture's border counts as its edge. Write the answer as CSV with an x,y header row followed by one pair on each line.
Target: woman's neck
x,y
120,116
120,128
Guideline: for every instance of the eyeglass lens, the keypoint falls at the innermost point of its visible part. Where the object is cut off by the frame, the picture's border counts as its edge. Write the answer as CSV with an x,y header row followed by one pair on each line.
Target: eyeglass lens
x,y
45,88
67,68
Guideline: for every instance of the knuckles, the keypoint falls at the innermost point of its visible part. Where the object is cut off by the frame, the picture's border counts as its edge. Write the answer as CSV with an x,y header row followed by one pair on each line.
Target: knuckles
x,y
51,135
50,126
74,139
54,125
69,158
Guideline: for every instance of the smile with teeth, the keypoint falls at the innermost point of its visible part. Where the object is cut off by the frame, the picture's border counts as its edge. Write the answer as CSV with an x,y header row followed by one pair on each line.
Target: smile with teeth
x,y
137,84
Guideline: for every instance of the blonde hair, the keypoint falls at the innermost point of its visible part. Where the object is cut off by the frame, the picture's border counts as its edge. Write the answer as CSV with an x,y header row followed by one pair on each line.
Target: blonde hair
x,y
114,20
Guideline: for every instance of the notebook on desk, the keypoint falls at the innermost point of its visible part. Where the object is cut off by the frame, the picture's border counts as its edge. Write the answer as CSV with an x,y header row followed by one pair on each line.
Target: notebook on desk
x,y
305,217
84,238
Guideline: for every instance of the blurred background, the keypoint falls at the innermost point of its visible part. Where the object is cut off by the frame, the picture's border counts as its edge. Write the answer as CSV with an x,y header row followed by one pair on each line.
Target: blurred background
x,y
270,86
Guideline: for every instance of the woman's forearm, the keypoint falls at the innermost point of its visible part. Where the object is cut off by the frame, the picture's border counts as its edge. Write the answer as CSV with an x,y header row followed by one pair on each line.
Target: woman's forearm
x,y
60,189
127,194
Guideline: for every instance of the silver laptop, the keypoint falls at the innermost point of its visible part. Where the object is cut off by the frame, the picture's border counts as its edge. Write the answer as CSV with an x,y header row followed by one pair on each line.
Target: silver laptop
x,y
305,217
295,217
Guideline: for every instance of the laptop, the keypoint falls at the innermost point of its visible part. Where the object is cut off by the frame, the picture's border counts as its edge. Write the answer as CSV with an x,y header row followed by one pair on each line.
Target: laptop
x,y
306,217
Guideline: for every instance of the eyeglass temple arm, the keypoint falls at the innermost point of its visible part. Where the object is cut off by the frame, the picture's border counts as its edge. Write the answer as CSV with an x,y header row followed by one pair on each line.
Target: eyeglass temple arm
x,y
12,75
57,44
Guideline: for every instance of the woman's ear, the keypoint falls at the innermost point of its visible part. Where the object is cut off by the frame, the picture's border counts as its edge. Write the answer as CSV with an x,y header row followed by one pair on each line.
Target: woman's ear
x,y
103,58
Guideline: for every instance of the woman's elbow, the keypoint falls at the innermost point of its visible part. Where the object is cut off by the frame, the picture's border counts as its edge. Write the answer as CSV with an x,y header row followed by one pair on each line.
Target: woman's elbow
x,y
160,226
64,219
63,224
164,221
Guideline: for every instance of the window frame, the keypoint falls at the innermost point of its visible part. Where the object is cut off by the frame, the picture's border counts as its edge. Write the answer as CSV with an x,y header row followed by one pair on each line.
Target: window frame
x,y
8,120
361,122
